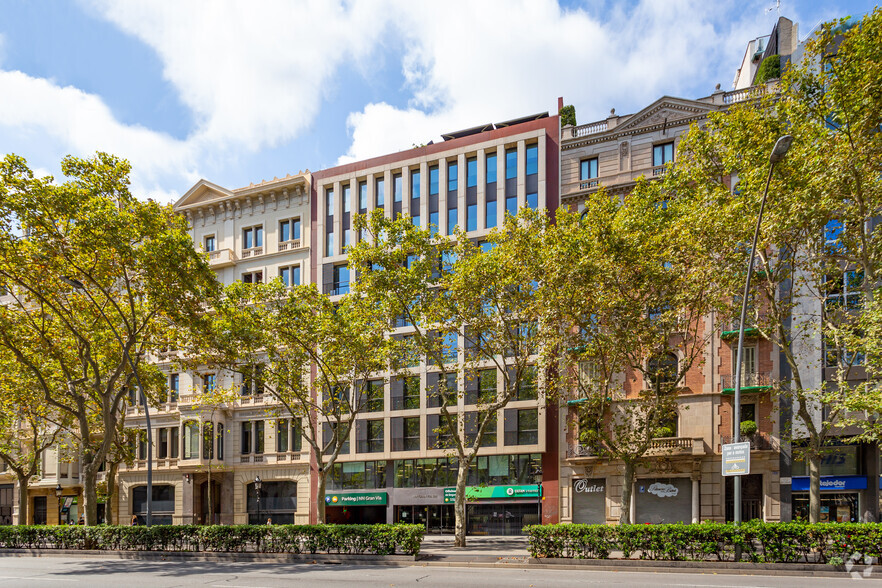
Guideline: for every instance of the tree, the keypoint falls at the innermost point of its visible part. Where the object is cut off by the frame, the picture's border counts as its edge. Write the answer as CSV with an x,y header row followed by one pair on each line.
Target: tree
x,y
93,275
437,291
318,357
819,250
632,289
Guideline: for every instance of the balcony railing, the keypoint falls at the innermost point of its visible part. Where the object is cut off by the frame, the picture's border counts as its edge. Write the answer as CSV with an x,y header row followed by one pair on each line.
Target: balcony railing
x,y
676,446
758,441
590,129
749,381
744,94
337,288
252,252
577,450
292,244
221,258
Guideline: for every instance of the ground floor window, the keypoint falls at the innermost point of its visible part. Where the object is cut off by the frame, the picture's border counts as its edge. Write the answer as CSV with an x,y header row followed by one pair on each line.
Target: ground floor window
x,y
355,515
437,518
836,507
163,504
751,497
278,501
39,510
6,500
500,518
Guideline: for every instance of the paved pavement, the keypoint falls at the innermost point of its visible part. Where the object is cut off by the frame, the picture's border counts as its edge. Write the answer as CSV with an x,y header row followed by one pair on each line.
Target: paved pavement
x,y
476,547
92,572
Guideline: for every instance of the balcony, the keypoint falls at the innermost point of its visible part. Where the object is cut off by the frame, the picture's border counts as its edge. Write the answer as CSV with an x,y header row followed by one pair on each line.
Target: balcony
x,y
578,451
750,382
289,245
220,258
158,464
758,442
590,129
252,252
669,446
336,288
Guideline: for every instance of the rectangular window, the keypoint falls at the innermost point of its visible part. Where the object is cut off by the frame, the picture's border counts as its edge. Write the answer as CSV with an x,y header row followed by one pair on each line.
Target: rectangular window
x,y
528,426
532,159
246,438
511,205
396,188
252,278
471,172
329,244
411,398
174,441
290,276
451,221
528,387
433,180
208,441
374,392
588,169
375,442
329,202
532,200
511,163
296,435
490,214
174,387
210,244
347,238
412,434
381,192
284,231
163,443
452,176
472,217
347,192
491,168
362,196
341,280
415,219
487,386
258,437
414,184
661,154
433,223
282,436
191,440
252,237
208,383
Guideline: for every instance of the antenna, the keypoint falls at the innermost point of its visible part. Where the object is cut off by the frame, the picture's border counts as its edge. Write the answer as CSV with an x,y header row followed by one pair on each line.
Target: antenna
x,y
776,8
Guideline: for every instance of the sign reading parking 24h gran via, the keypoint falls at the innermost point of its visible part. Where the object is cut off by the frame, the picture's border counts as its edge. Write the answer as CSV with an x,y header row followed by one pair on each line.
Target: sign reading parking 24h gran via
x,y
736,459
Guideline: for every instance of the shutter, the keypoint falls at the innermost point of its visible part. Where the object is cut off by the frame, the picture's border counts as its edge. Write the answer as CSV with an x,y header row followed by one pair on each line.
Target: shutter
x,y
361,435
397,393
397,424
510,420
433,421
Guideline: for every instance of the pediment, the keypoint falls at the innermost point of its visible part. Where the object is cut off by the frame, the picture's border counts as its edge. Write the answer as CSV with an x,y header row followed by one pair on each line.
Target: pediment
x,y
202,193
665,109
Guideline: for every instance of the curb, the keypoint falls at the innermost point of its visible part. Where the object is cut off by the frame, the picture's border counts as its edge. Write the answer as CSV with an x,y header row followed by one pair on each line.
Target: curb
x,y
217,556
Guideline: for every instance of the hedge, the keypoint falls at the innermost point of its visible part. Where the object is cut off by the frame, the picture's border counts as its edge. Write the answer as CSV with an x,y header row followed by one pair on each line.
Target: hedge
x,y
337,539
830,543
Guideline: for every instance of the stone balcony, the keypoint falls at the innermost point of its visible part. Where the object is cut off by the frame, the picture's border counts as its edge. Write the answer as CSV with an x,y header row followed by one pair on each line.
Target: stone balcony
x,y
221,258
661,447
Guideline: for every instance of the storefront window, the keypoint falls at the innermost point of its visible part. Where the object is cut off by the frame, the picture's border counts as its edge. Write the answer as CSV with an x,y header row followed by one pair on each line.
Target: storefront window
x,y
836,507
840,460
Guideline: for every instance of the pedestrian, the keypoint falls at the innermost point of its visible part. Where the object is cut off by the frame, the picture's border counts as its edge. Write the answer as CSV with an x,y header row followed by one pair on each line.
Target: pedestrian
x,y
269,521
134,520
82,521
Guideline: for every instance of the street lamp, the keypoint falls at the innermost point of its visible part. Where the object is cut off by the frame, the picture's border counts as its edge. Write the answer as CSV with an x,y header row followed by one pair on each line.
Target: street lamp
x,y
78,285
778,153
537,474
257,484
58,492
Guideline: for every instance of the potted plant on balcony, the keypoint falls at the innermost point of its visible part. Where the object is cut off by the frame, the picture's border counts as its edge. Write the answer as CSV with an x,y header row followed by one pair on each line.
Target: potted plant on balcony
x,y
748,430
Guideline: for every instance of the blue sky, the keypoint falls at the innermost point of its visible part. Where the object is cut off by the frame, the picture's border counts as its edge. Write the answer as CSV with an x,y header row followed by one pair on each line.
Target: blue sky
x,y
236,92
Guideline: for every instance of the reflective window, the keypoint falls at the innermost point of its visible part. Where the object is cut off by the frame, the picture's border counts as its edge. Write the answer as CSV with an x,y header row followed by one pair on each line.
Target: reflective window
x,y
511,163
452,176
433,179
471,172
588,169
661,154
532,160
491,168
490,214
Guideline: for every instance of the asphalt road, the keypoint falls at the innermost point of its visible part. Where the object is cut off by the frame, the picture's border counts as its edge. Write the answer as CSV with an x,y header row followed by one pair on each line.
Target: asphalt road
x,y
59,572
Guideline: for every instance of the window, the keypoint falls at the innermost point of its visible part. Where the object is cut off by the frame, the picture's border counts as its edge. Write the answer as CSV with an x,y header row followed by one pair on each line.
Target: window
x,y
246,438
258,437
490,214
162,503
451,221
174,441
410,393
252,278
174,387
452,176
341,280
207,441
511,164
414,184
362,196
450,351
472,217
748,362
288,436
252,380
844,290
483,388
290,275
521,426
528,387
411,428
588,169
661,154
278,501
433,223
374,393
329,244
289,230
370,436
433,180
191,440
208,383
435,384
491,168
252,237
471,172
396,188
347,193
473,423
328,430
209,244
532,200
532,159
381,192
163,444
663,369
329,202
439,432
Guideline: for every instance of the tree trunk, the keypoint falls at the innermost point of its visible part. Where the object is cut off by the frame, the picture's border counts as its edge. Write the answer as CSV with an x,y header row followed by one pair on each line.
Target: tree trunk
x,y
89,476
320,496
814,463
459,507
111,492
627,487
22,499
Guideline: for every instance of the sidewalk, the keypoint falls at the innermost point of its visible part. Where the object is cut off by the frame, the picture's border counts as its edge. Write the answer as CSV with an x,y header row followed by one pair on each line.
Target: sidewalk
x,y
476,549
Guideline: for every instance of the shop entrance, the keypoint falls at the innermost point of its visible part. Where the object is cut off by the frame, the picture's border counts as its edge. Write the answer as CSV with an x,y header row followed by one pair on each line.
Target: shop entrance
x,y
6,499
355,515
751,497
836,507
499,518
436,518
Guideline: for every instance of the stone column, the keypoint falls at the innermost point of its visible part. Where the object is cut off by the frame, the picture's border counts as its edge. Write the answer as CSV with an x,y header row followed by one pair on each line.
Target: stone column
x,y
696,502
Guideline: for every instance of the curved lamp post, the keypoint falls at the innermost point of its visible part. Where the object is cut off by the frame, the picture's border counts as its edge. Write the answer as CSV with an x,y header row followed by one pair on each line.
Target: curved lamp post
x,y
778,153
78,285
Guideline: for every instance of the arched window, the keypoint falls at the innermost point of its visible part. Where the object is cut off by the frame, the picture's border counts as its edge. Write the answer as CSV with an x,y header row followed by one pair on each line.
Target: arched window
x,y
191,440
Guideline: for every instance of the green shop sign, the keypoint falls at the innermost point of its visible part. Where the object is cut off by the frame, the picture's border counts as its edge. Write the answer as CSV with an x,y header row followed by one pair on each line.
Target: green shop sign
x,y
484,492
356,499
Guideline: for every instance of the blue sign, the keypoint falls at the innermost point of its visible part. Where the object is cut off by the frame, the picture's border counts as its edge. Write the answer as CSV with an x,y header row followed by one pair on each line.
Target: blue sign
x,y
831,483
